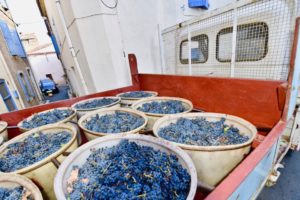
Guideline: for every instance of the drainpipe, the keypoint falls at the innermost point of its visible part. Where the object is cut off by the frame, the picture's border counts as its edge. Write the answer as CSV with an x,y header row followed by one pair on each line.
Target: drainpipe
x,y
71,47
161,50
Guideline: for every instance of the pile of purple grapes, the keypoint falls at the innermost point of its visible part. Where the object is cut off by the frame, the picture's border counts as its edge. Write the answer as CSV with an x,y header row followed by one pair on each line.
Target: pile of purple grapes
x,y
50,117
17,193
136,94
96,103
114,123
34,148
200,132
129,171
163,107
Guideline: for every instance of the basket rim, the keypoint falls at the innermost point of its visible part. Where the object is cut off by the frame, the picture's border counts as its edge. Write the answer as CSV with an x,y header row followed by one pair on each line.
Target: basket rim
x,y
74,114
151,99
154,94
47,159
190,166
22,181
168,119
3,126
98,107
106,110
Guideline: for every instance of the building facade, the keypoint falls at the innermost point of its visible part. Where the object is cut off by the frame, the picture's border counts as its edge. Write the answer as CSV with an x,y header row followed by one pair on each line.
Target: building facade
x,y
18,89
95,37
43,59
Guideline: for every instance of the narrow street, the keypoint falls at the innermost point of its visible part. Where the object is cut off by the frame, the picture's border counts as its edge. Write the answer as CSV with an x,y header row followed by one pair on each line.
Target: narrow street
x,y
287,187
63,94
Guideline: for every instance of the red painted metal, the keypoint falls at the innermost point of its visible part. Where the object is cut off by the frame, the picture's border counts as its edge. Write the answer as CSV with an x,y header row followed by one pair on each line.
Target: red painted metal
x,y
282,93
229,185
236,177
257,101
260,102
291,69
198,90
13,118
134,69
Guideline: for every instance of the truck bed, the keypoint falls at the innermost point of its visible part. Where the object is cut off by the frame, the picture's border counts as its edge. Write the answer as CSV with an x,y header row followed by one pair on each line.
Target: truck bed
x,y
258,101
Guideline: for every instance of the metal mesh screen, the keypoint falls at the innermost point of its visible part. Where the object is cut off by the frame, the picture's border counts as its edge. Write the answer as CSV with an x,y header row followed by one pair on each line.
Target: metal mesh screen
x,y
257,34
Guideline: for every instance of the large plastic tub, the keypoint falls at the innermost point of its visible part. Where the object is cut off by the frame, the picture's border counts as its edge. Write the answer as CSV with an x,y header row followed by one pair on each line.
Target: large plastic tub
x,y
152,117
3,131
72,119
128,101
44,171
81,112
79,157
90,135
213,163
14,180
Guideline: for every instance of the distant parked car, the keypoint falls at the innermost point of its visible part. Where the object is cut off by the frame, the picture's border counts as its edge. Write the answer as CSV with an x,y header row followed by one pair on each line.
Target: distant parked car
x,y
48,86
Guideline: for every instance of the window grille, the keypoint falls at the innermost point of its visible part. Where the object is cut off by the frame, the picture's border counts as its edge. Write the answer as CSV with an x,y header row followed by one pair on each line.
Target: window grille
x,y
199,49
264,36
251,44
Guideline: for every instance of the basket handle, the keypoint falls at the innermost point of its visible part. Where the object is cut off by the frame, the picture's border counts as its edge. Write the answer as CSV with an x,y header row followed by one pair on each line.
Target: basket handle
x,y
79,139
12,127
197,110
56,163
72,122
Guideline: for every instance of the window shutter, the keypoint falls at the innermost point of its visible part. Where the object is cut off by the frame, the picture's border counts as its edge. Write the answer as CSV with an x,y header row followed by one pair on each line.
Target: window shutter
x,y
13,41
8,38
18,47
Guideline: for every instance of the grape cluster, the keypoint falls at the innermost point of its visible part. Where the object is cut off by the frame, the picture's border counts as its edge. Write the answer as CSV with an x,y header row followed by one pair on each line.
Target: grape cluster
x,y
34,148
137,94
114,123
50,117
199,131
129,171
13,194
163,107
96,103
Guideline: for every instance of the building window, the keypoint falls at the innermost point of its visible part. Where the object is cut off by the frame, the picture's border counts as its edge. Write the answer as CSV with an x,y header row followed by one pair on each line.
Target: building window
x,y
30,75
251,44
26,86
199,50
6,96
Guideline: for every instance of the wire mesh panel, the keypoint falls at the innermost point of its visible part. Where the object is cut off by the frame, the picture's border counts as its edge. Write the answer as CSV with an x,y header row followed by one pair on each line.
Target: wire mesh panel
x,y
264,39
262,42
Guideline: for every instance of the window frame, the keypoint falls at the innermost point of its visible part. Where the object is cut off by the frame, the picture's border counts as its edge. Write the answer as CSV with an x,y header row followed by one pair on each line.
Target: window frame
x,y
186,61
9,96
26,86
230,30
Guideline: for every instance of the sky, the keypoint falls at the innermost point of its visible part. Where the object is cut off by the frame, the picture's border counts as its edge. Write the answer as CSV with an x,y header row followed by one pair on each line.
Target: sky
x,y
27,15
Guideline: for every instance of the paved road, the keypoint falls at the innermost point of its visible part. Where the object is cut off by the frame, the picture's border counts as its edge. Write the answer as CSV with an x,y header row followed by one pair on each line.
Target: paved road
x,y
288,185
63,94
